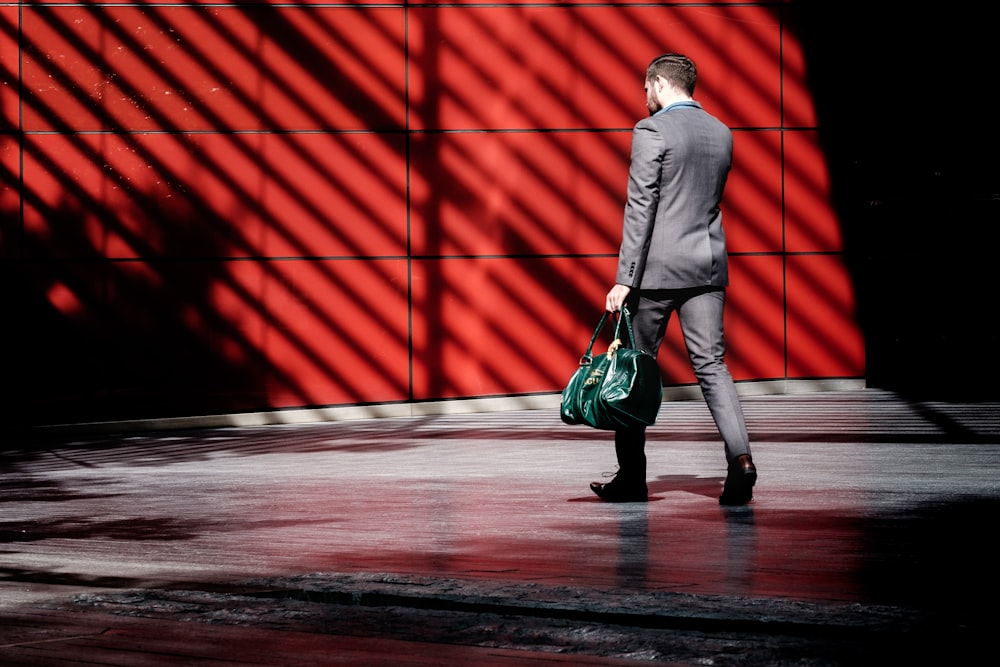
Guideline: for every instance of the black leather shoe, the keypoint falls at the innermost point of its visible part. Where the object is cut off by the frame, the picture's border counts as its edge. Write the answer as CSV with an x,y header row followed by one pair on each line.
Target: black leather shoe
x,y
740,479
617,491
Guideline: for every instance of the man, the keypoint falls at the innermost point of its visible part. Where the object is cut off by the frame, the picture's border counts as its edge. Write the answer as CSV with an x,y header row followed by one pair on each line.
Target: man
x,y
673,258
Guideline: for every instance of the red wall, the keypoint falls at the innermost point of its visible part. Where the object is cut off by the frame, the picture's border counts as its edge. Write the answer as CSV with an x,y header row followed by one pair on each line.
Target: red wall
x,y
225,208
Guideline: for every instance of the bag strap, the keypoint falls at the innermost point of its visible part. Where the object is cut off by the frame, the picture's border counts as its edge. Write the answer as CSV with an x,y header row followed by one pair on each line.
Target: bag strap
x,y
627,319
623,316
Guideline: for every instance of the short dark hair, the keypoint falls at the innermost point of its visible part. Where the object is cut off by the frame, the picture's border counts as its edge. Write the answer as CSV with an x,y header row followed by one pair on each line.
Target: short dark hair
x,y
678,70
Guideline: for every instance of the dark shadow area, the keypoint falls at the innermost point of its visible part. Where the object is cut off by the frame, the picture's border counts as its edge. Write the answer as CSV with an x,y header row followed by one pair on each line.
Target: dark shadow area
x,y
129,350
908,125
710,487
937,558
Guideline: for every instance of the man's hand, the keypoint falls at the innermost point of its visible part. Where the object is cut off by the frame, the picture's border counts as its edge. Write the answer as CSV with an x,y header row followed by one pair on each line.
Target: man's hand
x,y
616,297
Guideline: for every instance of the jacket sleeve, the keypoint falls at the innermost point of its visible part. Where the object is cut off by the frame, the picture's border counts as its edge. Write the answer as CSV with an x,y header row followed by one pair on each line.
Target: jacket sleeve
x,y
640,207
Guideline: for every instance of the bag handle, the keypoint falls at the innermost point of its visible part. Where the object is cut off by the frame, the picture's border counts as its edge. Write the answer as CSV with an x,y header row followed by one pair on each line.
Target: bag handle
x,y
588,357
623,316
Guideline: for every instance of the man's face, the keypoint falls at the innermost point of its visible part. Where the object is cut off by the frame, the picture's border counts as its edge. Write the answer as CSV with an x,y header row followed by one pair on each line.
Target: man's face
x,y
652,104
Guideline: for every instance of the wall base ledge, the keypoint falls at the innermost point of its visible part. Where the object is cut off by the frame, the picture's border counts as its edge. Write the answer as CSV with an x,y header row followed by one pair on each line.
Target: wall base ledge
x,y
421,409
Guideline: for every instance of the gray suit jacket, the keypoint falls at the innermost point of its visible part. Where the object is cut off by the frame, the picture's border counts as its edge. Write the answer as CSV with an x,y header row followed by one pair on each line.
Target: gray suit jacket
x,y
672,237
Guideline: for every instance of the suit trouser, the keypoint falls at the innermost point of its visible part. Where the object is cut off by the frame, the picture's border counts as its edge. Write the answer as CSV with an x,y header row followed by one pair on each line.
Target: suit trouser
x,y
700,312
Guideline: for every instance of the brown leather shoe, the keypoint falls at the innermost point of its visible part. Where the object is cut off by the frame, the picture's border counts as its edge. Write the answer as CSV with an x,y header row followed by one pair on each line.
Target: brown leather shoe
x,y
740,480
618,491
